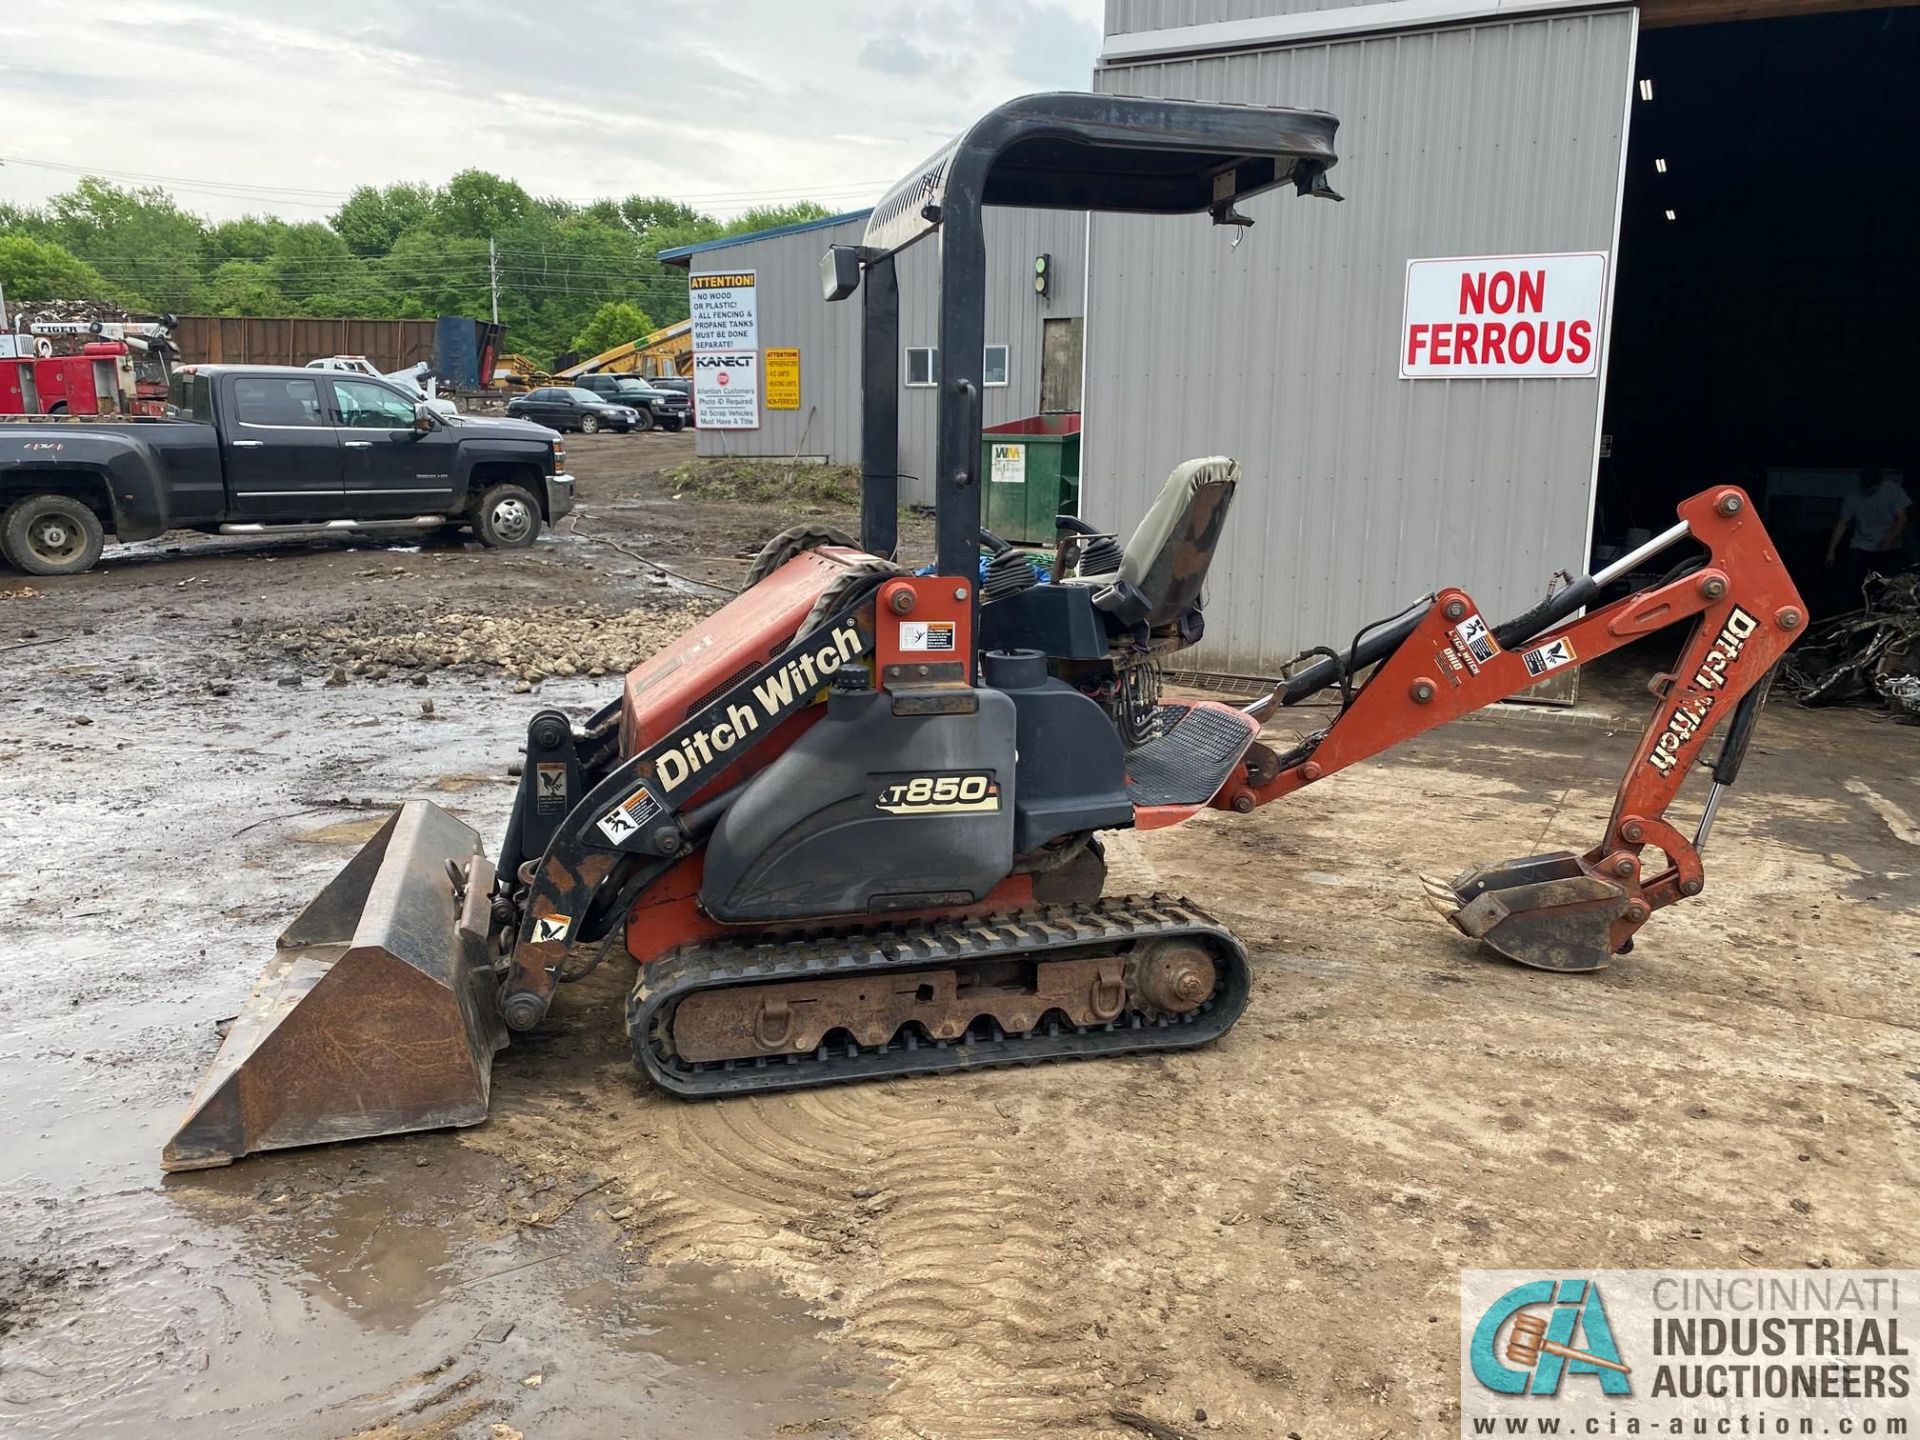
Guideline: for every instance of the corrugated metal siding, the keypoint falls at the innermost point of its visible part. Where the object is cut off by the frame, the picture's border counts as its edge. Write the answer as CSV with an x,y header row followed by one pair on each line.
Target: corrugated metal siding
x,y
792,314
1362,491
1128,17
787,270
1014,316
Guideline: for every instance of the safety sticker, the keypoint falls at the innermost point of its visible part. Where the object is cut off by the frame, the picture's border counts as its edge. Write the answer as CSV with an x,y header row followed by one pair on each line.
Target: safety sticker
x,y
1550,656
927,635
551,927
1475,640
550,787
628,816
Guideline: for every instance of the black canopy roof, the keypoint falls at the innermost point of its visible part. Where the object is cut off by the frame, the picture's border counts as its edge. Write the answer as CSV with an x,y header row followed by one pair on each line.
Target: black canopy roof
x,y
1069,150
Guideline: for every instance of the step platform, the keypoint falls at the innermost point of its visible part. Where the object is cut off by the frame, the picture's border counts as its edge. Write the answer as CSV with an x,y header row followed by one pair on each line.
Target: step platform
x,y
1199,748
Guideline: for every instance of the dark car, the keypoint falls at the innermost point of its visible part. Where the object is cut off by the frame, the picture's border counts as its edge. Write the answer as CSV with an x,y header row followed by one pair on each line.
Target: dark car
x,y
666,408
567,407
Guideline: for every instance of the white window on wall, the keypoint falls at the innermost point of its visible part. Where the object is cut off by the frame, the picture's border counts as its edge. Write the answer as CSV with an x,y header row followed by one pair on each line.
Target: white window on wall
x,y
995,371
923,365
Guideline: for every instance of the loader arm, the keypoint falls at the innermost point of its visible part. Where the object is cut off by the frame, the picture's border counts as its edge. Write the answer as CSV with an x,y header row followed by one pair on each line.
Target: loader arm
x,y
1567,912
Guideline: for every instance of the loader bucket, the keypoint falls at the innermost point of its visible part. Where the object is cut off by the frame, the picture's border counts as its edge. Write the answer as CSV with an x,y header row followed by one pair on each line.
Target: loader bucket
x,y
376,1015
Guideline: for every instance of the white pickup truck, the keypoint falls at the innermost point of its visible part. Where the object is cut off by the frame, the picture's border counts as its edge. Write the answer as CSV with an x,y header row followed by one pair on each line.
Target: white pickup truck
x,y
413,379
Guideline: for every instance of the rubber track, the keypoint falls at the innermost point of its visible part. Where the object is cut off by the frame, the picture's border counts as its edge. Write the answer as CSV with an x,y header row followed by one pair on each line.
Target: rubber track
x,y
1048,932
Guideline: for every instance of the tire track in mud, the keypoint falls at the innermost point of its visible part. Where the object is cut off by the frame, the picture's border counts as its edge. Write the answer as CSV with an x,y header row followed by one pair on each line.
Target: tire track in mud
x,y
911,1217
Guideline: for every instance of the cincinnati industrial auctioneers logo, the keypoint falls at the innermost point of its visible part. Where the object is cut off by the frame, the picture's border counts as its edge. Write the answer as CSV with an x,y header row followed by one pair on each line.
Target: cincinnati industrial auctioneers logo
x,y
1689,1352
1537,1334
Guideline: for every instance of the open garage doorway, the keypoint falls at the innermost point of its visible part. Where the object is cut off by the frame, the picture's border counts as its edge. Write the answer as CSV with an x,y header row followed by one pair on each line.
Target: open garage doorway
x,y
1767,301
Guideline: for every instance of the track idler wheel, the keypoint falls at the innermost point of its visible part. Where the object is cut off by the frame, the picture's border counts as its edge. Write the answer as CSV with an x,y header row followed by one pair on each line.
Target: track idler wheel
x,y
1172,978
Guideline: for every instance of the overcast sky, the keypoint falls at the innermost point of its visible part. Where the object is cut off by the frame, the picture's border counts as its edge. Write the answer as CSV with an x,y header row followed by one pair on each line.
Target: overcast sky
x,y
285,105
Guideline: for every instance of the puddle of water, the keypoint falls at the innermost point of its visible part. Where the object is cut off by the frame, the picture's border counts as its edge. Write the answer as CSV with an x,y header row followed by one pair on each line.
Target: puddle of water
x,y
314,1292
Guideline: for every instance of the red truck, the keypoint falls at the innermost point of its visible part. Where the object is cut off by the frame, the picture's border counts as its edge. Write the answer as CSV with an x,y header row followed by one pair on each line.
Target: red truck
x,y
121,368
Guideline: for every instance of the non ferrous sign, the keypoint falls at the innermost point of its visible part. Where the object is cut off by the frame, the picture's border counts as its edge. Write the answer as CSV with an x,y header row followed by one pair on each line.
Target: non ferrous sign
x,y
1503,316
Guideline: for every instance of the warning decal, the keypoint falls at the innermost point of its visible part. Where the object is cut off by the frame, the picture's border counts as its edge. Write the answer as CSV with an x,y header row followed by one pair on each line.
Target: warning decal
x,y
928,635
628,816
1550,656
550,789
1474,639
547,928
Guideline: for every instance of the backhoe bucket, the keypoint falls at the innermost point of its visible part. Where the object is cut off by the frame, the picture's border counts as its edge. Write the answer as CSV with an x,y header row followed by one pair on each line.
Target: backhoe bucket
x,y
376,1015
1546,911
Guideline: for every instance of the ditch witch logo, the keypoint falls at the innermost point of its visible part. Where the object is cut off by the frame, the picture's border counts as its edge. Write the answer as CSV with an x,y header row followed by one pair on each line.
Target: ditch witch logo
x,y
1573,1337
1712,674
772,698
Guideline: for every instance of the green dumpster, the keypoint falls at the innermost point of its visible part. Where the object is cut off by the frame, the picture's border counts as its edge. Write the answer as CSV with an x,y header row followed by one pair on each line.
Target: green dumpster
x,y
1031,469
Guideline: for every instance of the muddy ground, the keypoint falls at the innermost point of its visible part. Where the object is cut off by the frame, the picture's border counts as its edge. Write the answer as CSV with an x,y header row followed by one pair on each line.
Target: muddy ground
x,y
1258,1239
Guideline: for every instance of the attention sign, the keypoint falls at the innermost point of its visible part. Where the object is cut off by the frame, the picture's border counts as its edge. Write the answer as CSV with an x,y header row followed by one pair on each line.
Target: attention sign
x,y
782,378
1503,317
726,311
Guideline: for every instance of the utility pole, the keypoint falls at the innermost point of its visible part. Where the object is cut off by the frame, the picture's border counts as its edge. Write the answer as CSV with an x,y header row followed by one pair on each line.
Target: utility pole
x,y
493,278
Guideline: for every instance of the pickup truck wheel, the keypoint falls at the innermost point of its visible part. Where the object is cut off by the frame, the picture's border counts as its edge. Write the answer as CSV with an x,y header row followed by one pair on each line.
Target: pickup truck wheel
x,y
51,535
645,422
589,424
507,518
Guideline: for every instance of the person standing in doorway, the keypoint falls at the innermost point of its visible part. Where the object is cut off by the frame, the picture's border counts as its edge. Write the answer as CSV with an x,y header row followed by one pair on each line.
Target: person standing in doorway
x,y
1873,522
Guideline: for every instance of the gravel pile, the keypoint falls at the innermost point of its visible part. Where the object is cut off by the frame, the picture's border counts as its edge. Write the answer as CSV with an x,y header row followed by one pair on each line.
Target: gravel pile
x,y
554,642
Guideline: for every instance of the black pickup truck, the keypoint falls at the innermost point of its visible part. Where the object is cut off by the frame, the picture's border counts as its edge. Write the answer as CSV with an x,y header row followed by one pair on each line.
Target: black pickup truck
x,y
266,450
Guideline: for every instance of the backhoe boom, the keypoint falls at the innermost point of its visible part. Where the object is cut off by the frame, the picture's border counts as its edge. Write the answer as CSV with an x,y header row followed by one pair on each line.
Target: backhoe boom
x,y
1566,912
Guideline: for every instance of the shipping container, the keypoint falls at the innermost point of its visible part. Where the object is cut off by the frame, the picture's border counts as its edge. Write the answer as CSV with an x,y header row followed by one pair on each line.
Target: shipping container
x,y
294,340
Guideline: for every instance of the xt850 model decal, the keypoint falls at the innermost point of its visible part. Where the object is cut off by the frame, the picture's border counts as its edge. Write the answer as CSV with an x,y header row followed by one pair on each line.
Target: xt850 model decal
x,y
973,792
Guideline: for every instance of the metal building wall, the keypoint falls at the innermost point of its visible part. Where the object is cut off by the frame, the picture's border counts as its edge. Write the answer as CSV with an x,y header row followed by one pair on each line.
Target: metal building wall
x,y
1014,319
1361,491
792,314
787,277
1129,17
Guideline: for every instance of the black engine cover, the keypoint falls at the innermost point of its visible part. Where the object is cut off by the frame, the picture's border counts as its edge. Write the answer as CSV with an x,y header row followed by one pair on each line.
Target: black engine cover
x,y
870,811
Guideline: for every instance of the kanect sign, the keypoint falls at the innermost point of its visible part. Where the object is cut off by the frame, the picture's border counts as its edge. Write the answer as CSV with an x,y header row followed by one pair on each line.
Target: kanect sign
x,y
1503,317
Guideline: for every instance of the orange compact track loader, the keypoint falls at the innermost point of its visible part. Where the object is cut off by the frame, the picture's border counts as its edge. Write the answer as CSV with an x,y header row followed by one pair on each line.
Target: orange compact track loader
x,y
848,826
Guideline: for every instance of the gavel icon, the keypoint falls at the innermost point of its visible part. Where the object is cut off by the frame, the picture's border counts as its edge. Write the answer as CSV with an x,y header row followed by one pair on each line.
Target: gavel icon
x,y
1527,1342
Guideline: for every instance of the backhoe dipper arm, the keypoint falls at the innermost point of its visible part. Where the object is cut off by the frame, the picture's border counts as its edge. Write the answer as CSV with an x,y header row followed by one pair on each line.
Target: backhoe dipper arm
x,y
1568,912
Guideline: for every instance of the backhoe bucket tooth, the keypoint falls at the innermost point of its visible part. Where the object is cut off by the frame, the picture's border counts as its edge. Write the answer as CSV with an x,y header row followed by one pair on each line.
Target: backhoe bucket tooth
x,y
1547,911
376,1015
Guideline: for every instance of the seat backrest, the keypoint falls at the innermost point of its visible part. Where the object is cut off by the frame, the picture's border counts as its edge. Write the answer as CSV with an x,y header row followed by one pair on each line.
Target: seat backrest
x,y
1170,550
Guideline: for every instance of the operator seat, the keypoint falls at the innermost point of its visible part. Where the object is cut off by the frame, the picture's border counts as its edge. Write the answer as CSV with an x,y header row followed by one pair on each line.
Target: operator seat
x,y
1164,565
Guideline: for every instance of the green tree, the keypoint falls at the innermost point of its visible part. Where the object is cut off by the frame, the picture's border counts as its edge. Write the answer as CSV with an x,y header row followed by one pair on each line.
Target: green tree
x,y
475,204
646,213
139,239
40,270
773,217
243,287
251,237
614,323
310,257
23,220
373,219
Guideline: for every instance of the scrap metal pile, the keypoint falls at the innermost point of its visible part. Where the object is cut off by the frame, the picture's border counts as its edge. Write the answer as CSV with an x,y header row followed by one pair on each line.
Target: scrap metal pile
x,y
1868,654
